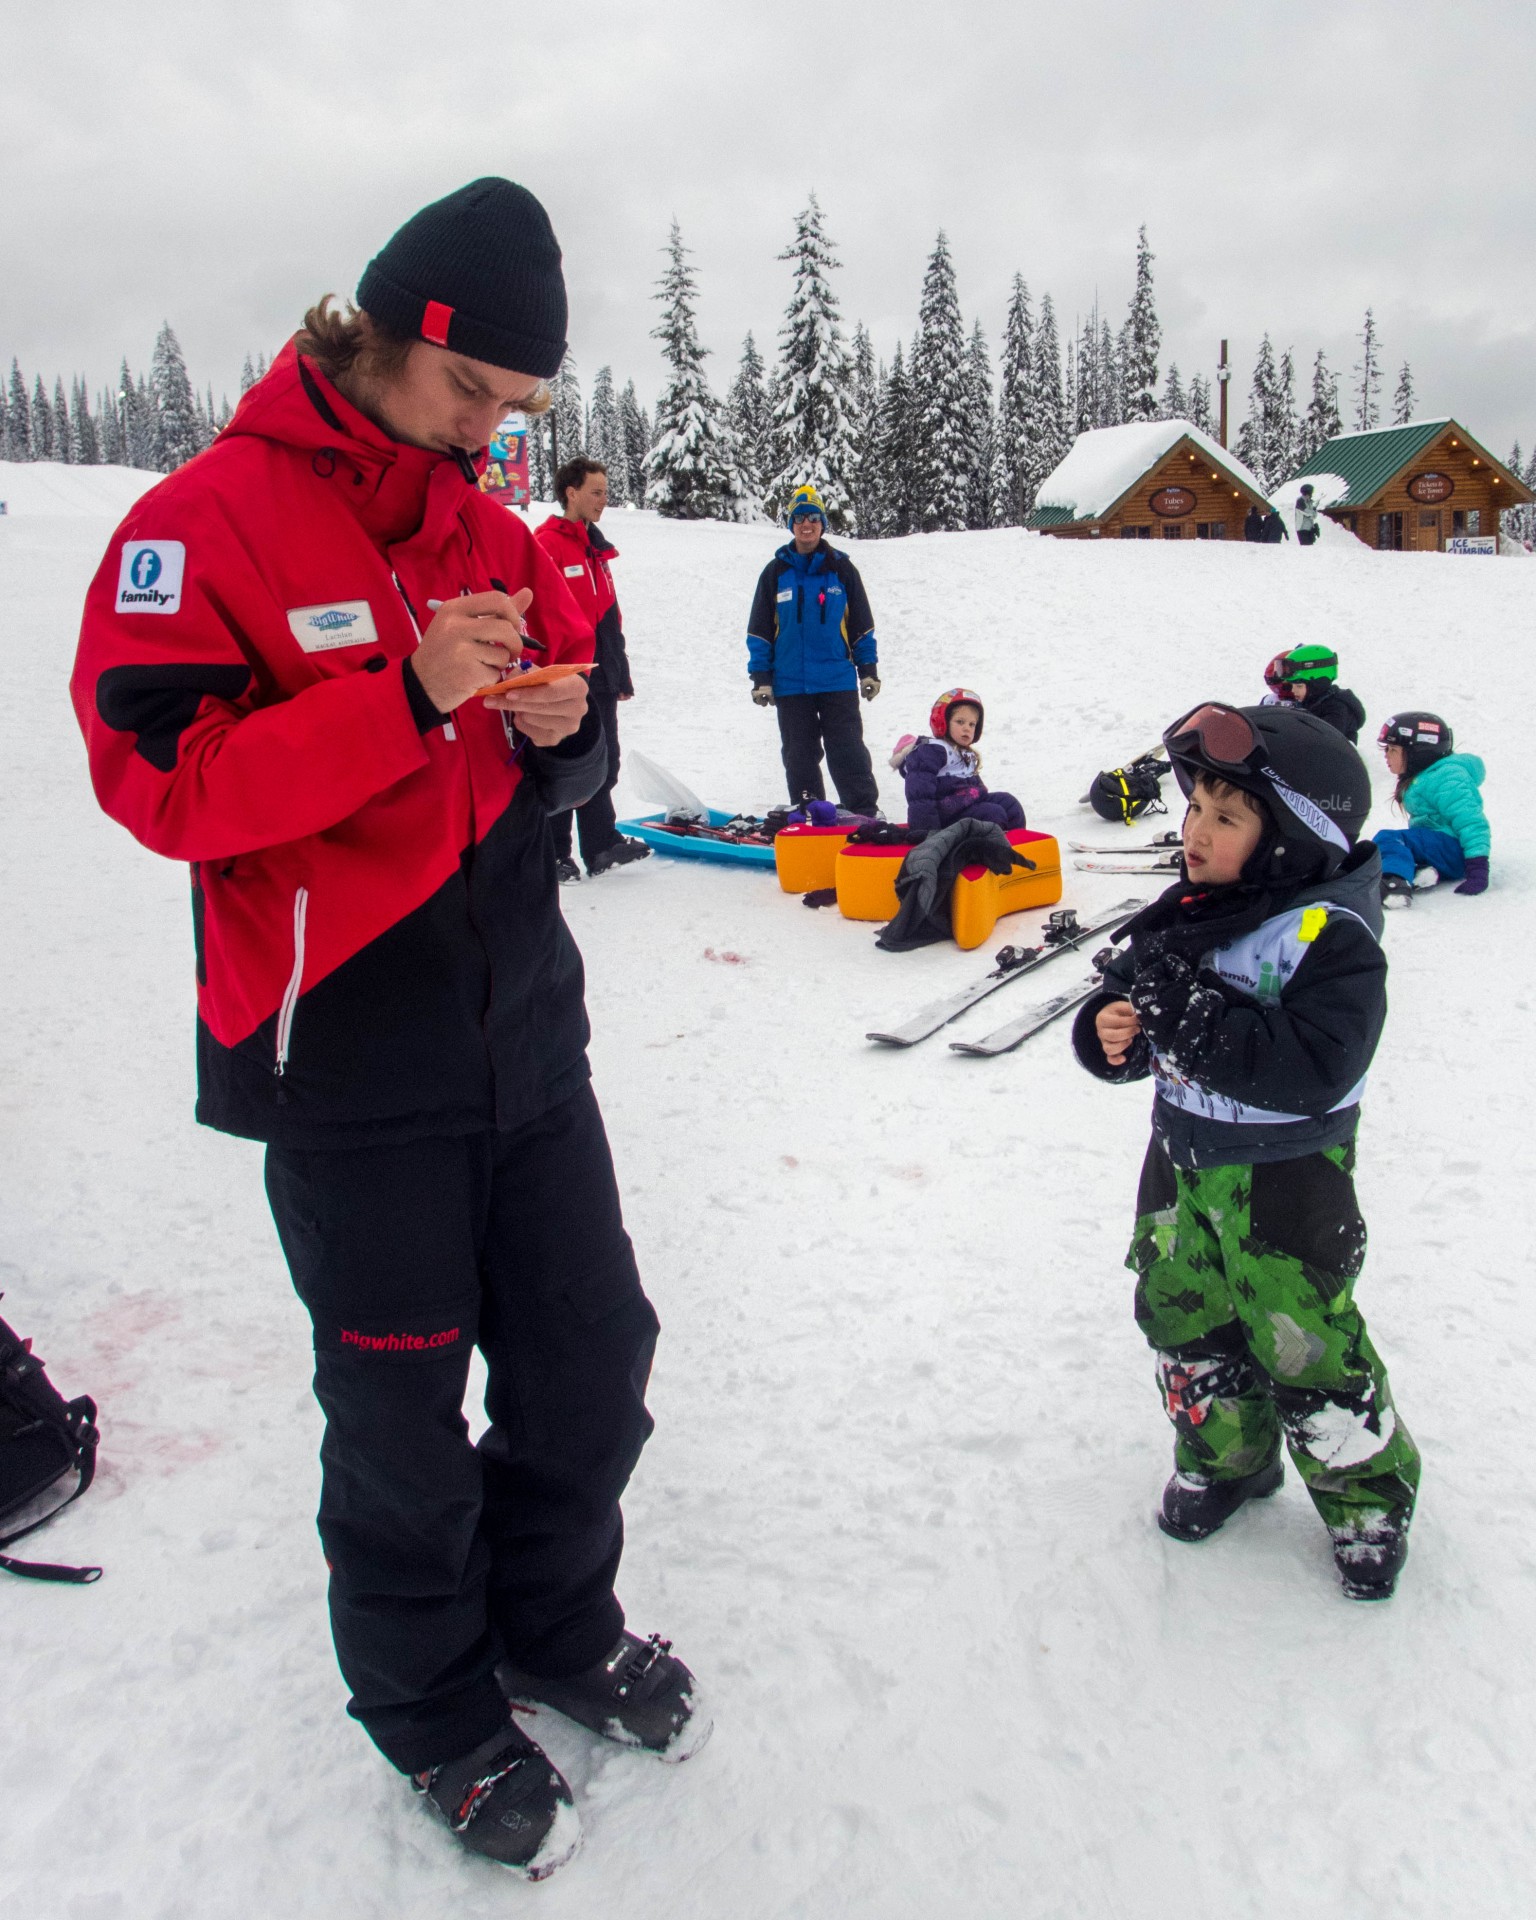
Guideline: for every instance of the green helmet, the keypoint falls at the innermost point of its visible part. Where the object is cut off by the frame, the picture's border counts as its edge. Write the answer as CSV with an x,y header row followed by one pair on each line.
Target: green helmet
x,y
1303,663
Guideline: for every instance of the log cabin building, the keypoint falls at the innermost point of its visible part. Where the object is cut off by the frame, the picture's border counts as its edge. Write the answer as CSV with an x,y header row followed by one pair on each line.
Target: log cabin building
x,y
1147,480
1427,487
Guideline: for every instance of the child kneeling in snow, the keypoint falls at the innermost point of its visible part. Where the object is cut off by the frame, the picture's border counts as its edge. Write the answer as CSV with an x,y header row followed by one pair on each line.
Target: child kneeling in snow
x,y
943,775
1438,790
1254,992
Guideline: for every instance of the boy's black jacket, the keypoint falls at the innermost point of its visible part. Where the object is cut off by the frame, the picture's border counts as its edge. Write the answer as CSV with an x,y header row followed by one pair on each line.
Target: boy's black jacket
x,y
1300,1057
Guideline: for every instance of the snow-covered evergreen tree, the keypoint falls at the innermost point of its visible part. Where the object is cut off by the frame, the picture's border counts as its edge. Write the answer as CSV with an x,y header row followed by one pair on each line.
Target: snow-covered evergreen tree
x,y
1174,404
895,439
1020,425
636,432
63,426
247,376
751,421
541,471
1199,404
567,416
1143,342
981,432
140,429
942,450
42,422
1403,399
1055,403
1255,435
605,437
864,409
1368,371
1087,388
15,418
813,427
109,415
177,436
1320,423
691,471
1112,350
1284,430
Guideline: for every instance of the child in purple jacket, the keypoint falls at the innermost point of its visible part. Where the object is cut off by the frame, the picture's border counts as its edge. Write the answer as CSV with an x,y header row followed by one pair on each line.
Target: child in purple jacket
x,y
943,775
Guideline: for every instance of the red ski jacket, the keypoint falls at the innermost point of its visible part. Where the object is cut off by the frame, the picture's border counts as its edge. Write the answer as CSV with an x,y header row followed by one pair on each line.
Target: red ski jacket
x,y
380,953
582,553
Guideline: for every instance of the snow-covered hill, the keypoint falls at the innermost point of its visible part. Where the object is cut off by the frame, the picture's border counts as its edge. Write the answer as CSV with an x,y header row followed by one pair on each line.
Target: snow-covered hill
x,y
898,1506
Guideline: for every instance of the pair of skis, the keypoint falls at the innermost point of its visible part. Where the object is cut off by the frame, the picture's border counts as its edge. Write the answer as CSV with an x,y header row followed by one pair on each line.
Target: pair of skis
x,y
1064,933
1158,855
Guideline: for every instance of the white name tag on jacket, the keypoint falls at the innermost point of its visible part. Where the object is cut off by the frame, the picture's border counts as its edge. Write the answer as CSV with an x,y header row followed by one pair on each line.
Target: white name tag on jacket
x,y
336,623
574,573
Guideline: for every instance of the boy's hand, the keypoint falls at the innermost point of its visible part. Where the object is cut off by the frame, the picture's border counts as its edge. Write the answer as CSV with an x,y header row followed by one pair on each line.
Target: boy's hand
x,y
1117,1026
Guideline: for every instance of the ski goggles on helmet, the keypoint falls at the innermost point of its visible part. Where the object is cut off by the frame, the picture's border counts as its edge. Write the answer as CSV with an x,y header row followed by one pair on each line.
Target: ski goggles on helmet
x,y
1222,736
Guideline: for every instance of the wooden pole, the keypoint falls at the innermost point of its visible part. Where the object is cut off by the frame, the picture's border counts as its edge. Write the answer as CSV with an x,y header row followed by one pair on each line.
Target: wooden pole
x,y
1223,378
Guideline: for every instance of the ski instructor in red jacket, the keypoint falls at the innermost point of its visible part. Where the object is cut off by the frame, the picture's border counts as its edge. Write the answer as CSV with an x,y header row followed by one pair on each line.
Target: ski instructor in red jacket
x,y
281,680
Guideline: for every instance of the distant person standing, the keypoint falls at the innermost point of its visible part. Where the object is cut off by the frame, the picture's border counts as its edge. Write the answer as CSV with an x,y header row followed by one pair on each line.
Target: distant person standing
x,y
1273,531
811,654
1253,525
583,553
1306,517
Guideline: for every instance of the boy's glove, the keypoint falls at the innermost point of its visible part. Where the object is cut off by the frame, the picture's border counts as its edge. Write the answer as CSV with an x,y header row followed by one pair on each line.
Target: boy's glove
x,y
762,693
1477,875
869,683
1177,1014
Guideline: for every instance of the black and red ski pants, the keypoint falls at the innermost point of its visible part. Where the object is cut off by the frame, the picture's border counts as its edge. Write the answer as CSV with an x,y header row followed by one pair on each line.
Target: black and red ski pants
x,y
448,1556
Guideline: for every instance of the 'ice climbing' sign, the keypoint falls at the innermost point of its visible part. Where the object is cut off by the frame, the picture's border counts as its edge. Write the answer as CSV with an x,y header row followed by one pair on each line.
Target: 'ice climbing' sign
x,y
149,578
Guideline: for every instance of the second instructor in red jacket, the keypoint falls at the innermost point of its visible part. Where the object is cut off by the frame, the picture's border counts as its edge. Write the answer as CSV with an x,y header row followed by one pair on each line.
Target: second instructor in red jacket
x,y
584,556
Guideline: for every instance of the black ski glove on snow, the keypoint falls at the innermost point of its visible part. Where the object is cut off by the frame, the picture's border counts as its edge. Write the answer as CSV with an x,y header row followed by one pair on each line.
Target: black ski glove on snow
x,y
1178,1015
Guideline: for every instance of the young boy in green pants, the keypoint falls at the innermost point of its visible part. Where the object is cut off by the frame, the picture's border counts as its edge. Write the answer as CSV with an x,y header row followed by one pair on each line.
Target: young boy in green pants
x,y
1254,992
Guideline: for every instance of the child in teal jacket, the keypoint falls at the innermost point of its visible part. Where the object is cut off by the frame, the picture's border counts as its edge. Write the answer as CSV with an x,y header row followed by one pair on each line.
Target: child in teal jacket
x,y
1438,789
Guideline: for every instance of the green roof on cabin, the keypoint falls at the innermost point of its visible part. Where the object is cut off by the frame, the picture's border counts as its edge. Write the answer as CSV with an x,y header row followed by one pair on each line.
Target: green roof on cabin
x,y
1369,460
1050,517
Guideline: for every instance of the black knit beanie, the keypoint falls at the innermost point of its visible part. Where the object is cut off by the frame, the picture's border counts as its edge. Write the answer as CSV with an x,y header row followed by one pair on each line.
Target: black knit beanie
x,y
479,272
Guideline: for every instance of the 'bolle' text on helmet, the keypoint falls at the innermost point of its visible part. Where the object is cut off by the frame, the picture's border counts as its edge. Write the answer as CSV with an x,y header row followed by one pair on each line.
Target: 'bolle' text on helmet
x,y
1424,738
938,717
1311,782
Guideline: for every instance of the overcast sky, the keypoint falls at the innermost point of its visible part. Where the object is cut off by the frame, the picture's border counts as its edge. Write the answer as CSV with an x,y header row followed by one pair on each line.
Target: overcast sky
x,y
220,165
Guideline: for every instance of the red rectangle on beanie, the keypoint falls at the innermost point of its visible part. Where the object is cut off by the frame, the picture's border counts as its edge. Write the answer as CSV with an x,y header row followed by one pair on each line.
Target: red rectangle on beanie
x,y
434,323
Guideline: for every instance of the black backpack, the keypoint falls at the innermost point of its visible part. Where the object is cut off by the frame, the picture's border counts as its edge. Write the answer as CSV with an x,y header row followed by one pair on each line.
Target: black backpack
x,y
47,1454
1126,793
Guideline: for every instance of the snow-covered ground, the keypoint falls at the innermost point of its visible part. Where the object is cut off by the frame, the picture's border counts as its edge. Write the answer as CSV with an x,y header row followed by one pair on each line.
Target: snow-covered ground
x,y
898,1507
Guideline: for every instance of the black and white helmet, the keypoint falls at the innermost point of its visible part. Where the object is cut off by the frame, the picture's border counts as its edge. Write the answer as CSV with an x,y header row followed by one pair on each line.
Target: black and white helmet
x,y
1424,738
1313,783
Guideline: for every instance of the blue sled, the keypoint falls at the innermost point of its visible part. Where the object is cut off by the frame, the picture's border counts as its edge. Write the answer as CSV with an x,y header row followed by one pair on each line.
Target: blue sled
x,y
652,830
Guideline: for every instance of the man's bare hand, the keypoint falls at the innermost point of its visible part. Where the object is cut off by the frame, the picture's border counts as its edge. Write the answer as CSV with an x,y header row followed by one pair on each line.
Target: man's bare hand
x,y
547,714
1117,1026
469,642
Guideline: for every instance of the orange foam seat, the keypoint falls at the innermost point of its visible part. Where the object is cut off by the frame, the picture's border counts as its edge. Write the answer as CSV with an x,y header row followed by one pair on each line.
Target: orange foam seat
x,y
866,886
806,857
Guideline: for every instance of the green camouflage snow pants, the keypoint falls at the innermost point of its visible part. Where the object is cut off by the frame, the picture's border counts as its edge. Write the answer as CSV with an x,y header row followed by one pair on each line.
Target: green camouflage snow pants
x,y
1246,1293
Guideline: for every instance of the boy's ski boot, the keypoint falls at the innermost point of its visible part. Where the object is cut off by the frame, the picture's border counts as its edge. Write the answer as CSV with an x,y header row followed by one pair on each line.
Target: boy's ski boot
x,y
620,854
507,1801
566,870
641,1695
1370,1558
1396,891
1194,1507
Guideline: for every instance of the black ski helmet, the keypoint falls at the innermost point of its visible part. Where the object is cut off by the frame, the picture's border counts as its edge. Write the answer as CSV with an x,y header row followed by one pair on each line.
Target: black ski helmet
x,y
1312,783
1424,737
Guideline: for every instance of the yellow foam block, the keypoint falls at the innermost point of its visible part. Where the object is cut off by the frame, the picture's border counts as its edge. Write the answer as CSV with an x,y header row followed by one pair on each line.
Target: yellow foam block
x,y
806,857
865,878
980,899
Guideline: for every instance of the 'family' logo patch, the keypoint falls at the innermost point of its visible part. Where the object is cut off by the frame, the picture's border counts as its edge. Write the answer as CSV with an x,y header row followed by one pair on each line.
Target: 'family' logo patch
x,y
338,623
149,576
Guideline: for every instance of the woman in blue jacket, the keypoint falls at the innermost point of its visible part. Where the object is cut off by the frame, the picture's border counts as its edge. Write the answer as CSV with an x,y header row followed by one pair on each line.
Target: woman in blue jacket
x,y
811,653
1438,790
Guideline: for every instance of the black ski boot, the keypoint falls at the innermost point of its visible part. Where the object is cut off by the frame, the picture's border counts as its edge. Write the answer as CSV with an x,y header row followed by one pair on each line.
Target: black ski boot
x,y
1370,1558
1396,891
1194,1508
507,1801
641,1695
566,869
620,854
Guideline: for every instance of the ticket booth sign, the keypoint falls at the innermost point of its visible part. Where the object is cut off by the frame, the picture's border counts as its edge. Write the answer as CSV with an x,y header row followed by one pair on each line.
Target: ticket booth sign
x,y
1429,489
506,469
1172,503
